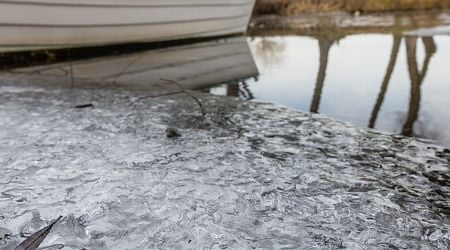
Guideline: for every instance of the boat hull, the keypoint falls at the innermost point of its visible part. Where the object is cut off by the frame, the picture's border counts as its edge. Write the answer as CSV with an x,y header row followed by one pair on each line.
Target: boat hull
x,y
44,24
195,66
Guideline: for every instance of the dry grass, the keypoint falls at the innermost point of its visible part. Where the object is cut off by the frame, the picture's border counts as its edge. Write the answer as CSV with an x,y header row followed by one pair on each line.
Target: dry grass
x,y
382,5
293,7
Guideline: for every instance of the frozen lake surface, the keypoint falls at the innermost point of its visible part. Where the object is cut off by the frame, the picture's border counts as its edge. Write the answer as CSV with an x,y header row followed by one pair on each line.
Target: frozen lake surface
x,y
247,175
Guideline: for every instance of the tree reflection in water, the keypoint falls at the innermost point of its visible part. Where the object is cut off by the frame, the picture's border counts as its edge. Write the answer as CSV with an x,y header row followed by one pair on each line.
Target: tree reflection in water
x,y
416,78
324,47
240,89
386,80
270,51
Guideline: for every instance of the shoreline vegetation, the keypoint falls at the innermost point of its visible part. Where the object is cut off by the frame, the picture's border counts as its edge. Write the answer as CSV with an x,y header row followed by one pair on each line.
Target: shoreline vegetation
x,y
339,25
295,7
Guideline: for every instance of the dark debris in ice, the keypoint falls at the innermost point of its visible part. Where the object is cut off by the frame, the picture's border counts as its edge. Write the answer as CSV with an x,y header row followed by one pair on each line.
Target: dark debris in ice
x,y
172,132
246,175
83,106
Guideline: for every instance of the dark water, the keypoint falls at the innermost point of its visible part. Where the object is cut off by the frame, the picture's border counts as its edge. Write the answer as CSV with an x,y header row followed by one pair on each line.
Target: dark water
x,y
392,83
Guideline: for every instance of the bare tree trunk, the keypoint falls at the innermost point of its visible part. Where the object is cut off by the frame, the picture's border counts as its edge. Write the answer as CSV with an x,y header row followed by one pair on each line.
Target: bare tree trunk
x,y
324,46
417,78
430,50
386,80
414,103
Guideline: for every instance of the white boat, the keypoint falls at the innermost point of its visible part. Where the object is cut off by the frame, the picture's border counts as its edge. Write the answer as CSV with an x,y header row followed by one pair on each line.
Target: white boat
x,y
50,24
195,66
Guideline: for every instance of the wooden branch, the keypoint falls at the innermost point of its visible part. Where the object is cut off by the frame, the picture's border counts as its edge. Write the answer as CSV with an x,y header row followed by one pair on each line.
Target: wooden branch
x,y
183,91
202,109
125,69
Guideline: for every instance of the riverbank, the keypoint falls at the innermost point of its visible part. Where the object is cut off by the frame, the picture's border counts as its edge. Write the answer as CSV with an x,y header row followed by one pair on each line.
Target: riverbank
x,y
295,7
340,24
246,174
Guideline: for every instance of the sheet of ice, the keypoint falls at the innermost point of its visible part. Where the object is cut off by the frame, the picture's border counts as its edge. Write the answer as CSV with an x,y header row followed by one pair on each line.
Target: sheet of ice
x,y
248,175
437,31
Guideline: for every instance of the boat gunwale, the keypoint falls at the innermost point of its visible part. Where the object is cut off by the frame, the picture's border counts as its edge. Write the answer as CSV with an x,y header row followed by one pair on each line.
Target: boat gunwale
x,y
125,6
37,25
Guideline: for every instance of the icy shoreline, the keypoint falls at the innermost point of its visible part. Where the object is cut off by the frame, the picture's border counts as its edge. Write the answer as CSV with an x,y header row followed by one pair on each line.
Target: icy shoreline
x,y
248,175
